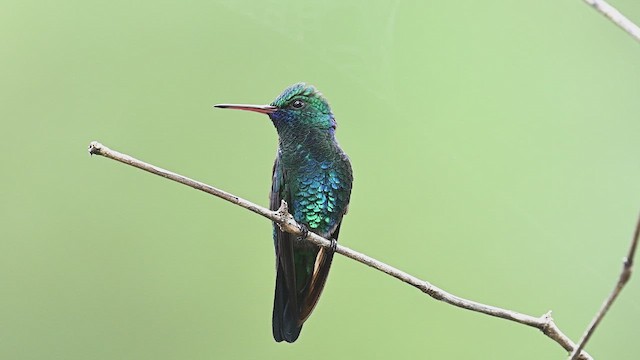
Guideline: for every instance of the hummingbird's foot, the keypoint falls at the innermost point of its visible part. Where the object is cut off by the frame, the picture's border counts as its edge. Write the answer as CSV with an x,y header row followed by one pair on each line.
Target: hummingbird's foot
x,y
334,245
304,232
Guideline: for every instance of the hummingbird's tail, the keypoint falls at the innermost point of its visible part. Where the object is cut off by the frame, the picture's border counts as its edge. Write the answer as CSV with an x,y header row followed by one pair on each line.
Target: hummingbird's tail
x,y
285,317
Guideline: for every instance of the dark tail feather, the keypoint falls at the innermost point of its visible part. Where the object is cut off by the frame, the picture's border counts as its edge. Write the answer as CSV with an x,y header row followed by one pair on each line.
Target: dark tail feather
x,y
319,278
285,318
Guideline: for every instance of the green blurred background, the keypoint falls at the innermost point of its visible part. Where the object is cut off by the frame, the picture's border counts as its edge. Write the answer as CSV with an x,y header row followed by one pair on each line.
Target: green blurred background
x,y
495,146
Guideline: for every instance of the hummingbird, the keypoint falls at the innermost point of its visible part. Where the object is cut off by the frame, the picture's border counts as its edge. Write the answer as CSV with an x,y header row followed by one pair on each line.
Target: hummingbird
x,y
313,175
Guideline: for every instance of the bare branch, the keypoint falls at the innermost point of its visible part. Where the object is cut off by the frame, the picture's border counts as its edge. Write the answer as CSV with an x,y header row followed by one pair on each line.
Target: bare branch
x,y
632,29
625,274
614,15
283,218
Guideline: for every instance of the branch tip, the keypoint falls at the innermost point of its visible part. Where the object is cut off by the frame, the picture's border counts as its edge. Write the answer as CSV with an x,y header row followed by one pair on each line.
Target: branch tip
x,y
285,220
283,209
95,148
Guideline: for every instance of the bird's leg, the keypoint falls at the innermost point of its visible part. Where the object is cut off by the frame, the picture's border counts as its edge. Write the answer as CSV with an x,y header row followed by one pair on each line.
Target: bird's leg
x,y
334,246
304,232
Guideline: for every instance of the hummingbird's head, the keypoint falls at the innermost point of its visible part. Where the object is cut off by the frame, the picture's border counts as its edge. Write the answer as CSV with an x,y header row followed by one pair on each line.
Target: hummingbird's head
x,y
299,106
302,105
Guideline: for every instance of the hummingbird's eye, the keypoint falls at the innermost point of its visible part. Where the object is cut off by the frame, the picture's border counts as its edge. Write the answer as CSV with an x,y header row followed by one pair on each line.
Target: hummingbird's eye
x,y
298,104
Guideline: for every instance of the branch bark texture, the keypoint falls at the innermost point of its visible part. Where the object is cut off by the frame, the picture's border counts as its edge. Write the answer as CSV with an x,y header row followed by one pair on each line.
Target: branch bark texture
x,y
616,16
285,220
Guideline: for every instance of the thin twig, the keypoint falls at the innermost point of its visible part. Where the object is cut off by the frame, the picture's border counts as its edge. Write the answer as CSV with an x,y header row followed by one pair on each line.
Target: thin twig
x,y
283,218
625,274
627,265
614,15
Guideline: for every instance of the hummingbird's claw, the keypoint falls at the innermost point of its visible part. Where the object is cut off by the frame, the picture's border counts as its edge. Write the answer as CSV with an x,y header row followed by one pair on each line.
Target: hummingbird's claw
x,y
334,245
304,232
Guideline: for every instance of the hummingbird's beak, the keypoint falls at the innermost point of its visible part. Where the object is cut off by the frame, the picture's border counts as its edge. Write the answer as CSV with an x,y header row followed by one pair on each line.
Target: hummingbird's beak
x,y
263,109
